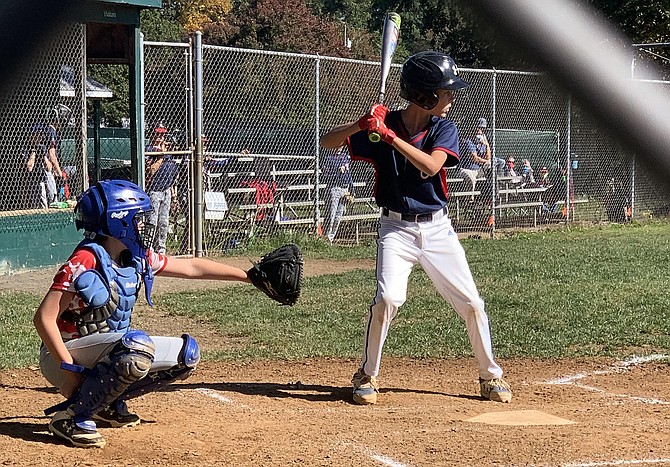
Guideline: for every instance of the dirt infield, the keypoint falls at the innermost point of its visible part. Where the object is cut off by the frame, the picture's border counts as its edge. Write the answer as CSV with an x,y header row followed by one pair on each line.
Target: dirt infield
x,y
578,413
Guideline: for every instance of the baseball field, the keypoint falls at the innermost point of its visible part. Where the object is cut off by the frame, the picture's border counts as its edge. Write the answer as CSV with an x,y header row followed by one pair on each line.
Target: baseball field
x,y
581,325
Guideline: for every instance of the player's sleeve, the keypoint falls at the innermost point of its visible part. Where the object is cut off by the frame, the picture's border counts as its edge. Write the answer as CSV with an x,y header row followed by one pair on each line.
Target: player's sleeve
x,y
81,260
361,148
157,261
446,139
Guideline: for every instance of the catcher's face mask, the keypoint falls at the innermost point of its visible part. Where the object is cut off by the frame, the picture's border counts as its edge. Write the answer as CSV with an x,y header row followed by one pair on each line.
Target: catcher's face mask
x,y
144,230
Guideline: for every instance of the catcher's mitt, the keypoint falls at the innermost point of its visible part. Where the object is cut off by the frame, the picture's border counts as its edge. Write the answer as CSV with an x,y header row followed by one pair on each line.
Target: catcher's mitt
x,y
279,274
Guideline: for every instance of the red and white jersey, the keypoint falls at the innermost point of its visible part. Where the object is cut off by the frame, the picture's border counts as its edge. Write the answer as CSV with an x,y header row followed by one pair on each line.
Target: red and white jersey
x,y
83,259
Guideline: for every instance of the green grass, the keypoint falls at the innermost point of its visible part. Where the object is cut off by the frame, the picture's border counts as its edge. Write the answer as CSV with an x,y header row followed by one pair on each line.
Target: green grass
x,y
19,342
569,293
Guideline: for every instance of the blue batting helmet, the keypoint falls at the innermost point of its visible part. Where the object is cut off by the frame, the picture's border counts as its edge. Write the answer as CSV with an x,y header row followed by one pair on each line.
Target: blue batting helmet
x,y
116,208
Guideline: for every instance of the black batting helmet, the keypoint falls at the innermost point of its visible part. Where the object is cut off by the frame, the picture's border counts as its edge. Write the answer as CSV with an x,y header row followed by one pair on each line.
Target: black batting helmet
x,y
426,72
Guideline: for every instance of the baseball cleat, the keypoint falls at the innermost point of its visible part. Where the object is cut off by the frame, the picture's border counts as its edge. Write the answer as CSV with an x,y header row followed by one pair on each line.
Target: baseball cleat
x,y
117,416
496,390
365,388
82,434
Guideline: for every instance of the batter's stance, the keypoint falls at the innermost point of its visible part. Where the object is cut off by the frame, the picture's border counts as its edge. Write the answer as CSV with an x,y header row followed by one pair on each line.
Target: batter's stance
x,y
418,142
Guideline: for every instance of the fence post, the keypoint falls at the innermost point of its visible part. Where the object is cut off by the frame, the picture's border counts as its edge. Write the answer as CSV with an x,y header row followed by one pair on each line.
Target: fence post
x,y
494,171
139,118
568,162
190,214
197,175
317,145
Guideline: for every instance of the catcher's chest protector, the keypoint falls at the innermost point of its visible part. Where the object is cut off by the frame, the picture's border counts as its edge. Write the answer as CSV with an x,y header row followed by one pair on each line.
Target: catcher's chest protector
x,y
126,281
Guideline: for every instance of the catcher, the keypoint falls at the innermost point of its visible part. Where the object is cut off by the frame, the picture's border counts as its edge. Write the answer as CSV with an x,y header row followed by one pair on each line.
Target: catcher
x,y
90,352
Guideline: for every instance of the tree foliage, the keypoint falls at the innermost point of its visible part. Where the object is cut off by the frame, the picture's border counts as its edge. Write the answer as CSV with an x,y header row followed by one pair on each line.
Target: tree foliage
x,y
318,26
285,25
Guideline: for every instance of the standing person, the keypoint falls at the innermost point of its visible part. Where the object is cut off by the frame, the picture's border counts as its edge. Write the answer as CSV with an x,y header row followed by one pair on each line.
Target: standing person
x,y
89,352
56,116
339,185
418,143
37,164
161,175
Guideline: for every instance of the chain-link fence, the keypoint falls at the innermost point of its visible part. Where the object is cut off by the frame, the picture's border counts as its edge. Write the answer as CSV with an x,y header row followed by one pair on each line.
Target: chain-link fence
x,y
264,172
42,126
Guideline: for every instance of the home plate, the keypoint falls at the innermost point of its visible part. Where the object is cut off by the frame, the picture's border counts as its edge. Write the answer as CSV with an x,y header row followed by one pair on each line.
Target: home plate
x,y
519,417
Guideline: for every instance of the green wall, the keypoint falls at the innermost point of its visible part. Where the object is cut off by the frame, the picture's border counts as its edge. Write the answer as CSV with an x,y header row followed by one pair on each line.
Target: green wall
x,y
42,238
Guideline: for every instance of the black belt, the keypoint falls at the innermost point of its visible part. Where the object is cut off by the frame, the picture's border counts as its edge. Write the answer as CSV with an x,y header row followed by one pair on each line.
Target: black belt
x,y
425,217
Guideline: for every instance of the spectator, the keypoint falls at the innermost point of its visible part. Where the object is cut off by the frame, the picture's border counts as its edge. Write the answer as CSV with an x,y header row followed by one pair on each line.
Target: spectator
x,y
527,173
55,116
37,164
509,170
161,173
544,177
470,164
339,186
481,144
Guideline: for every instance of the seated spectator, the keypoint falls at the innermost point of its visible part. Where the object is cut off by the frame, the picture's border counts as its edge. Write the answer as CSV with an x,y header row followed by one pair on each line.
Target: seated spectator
x,y
480,144
509,168
527,173
475,154
544,177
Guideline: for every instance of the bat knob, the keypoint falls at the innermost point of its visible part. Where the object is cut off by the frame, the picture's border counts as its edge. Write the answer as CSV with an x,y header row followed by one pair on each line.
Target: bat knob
x,y
374,137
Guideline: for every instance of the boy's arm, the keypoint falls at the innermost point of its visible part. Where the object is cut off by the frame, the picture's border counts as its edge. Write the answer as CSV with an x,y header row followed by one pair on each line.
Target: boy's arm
x,y
51,154
201,268
45,323
338,135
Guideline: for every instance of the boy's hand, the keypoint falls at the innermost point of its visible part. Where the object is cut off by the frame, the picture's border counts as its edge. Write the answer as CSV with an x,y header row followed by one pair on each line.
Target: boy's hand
x,y
378,126
377,111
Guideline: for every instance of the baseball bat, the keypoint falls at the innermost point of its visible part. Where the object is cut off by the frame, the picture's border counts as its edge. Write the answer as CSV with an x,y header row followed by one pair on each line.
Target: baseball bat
x,y
389,43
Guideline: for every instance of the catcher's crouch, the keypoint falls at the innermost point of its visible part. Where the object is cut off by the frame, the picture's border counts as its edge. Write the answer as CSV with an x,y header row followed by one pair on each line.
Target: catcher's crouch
x,y
89,352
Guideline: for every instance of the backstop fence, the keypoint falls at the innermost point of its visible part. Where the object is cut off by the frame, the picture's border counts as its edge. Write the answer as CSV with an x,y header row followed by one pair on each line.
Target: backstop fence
x,y
260,115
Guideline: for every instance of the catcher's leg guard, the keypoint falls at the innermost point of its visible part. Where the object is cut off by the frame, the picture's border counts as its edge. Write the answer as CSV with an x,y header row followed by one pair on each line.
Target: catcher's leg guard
x,y
129,361
188,359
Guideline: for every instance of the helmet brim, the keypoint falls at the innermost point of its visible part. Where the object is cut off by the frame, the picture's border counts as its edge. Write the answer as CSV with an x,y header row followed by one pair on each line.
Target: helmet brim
x,y
455,84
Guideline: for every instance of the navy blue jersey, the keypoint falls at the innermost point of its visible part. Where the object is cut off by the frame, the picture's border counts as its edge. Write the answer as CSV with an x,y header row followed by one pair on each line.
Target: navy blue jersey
x,y
399,185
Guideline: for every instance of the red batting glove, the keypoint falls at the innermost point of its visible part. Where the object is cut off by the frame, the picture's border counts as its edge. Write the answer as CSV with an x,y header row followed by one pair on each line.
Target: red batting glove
x,y
377,111
379,127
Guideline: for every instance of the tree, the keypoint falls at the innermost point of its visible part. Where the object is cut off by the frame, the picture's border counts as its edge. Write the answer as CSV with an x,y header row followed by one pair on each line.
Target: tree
x,y
285,25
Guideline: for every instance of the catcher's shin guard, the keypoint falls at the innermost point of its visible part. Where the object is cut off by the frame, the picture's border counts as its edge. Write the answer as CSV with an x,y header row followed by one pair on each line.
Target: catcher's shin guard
x,y
188,359
129,361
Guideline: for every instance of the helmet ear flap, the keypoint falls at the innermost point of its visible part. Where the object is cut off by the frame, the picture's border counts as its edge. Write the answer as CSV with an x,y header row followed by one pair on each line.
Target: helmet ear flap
x,y
90,210
427,100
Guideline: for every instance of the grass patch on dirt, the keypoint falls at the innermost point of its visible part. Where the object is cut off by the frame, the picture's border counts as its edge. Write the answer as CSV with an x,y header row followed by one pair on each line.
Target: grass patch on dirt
x,y
19,342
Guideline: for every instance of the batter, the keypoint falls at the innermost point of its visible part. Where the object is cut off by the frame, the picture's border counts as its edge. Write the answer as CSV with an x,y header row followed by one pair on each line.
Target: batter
x,y
418,143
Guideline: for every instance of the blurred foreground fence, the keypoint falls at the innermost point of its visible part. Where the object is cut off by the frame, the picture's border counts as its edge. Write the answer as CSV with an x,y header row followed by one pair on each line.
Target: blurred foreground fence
x,y
260,168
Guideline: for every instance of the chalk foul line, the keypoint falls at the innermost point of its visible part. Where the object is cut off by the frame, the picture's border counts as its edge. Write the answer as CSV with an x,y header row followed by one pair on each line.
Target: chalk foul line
x,y
618,367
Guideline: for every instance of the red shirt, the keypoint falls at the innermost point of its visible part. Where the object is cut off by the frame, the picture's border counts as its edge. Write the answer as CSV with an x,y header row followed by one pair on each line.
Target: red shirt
x,y
83,259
